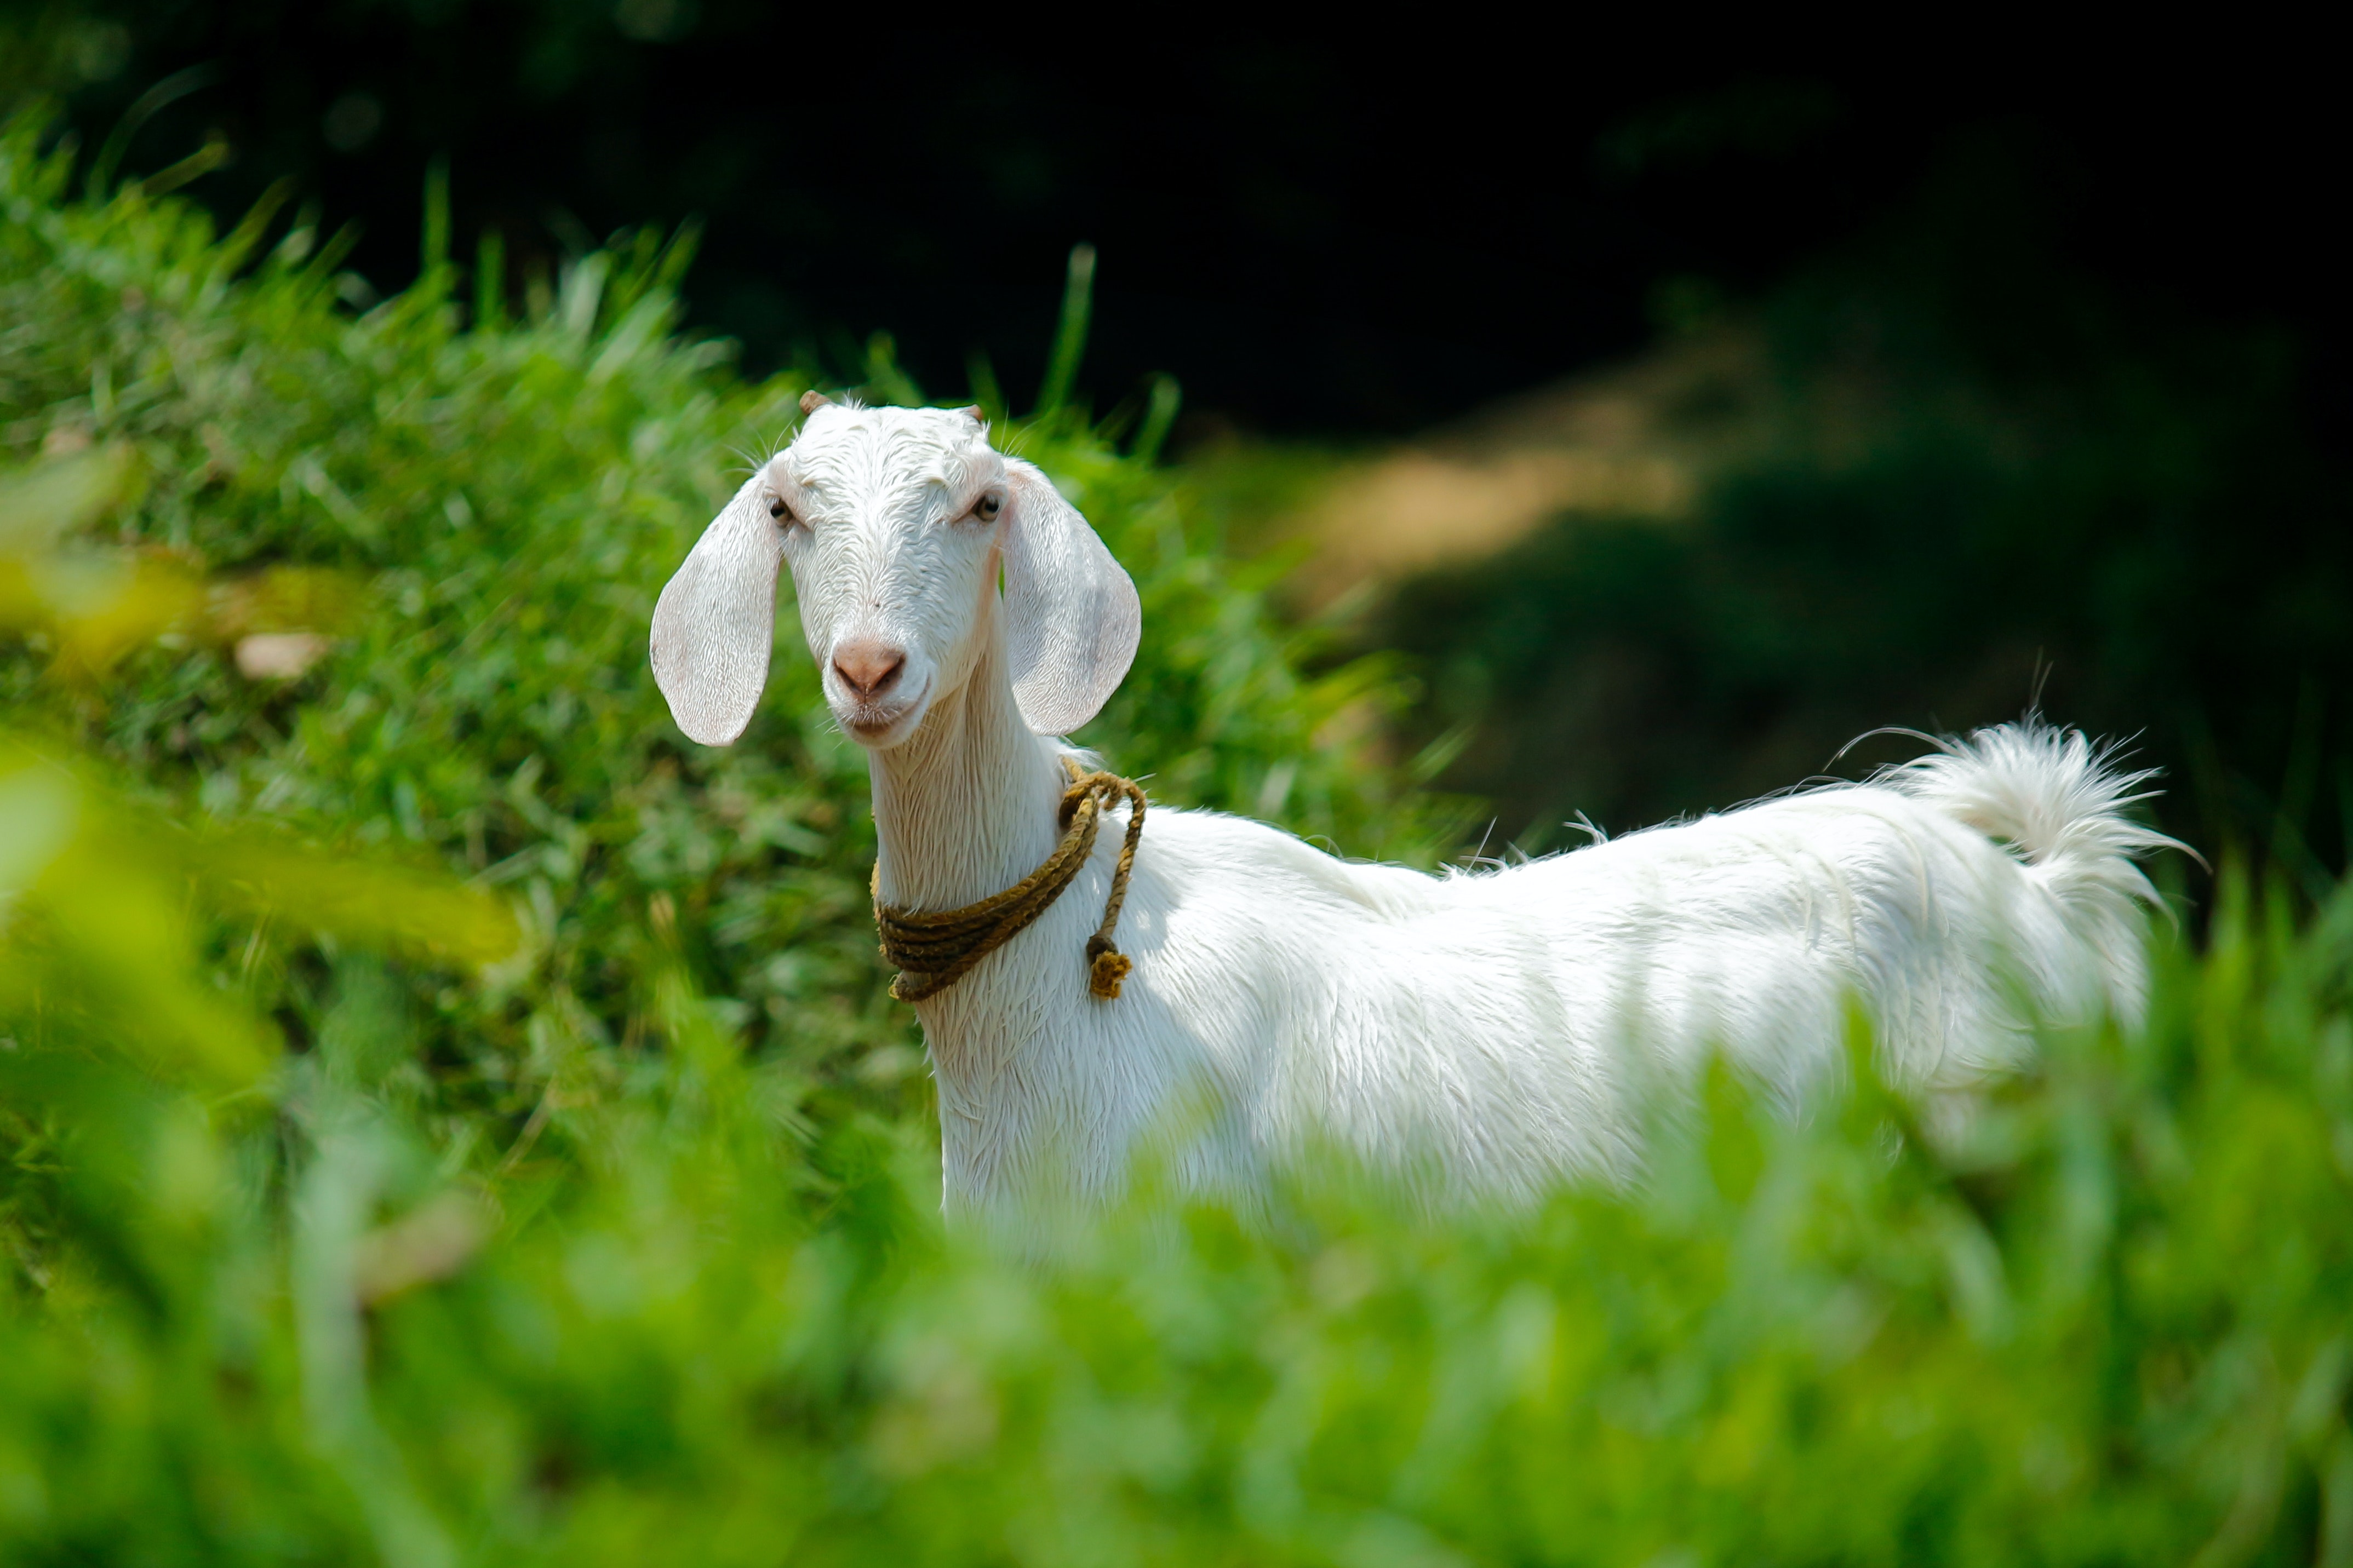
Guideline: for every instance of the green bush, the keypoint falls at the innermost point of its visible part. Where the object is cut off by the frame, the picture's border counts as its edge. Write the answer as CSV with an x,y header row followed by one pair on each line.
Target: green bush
x,y
447,1118
488,515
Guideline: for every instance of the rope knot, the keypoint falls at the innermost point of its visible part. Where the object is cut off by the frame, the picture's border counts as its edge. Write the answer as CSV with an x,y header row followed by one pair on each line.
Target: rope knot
x,y
942,947
1106,966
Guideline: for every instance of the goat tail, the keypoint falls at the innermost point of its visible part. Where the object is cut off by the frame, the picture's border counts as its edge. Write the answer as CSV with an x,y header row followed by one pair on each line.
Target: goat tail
x,y
2059,802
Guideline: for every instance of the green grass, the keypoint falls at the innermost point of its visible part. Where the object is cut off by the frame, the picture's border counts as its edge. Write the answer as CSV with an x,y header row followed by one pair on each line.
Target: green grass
x,y
448,1118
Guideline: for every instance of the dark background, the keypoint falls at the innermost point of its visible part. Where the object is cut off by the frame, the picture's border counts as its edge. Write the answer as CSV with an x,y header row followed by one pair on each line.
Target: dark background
x,y
1314,234
2092,289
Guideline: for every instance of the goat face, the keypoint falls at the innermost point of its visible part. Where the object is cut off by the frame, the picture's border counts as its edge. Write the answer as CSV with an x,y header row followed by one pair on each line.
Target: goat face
x,y
895,522
891,524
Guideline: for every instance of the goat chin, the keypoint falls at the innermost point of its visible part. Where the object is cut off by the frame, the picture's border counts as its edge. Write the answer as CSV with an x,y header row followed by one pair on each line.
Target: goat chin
x,y
1487,1035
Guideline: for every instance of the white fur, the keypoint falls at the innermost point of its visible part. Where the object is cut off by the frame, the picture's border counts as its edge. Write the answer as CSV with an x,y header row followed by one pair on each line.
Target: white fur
x,y
1482,1034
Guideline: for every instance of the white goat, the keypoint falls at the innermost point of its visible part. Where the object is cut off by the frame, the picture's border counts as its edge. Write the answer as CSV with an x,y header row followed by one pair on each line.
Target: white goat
x,y
1489,1031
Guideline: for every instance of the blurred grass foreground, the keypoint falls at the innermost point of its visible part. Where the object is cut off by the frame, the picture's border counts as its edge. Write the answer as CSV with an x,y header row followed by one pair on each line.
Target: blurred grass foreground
x,y
449,1120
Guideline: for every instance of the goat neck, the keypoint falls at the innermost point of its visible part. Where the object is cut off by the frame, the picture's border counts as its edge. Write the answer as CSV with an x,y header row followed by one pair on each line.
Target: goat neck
x,y
965,806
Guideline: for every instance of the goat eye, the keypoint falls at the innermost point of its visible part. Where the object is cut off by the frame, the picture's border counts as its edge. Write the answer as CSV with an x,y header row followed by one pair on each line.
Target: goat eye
x,y
987,507
777,510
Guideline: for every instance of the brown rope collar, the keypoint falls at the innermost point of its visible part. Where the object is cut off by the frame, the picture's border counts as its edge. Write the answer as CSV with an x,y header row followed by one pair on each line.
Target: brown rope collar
x,y
933,951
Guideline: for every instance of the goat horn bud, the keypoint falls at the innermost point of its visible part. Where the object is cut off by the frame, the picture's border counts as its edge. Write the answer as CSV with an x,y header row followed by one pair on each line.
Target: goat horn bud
x,y
812,400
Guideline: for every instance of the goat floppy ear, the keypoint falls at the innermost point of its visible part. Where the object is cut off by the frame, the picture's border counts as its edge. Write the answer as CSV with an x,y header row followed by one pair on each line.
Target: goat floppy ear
x,y
1071,616
715,620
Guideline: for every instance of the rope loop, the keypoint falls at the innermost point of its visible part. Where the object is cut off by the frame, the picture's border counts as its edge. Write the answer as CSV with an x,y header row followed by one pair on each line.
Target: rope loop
x,y
933,951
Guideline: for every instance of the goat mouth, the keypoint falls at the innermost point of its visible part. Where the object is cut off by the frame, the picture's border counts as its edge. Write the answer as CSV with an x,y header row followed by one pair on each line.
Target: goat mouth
x,y
875,723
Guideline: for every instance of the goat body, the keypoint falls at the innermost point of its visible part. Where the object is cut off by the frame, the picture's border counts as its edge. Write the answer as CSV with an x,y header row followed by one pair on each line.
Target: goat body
x,y
1495,1028
1488,1034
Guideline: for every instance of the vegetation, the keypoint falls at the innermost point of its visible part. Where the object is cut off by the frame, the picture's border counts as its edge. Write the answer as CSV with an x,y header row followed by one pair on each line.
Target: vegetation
x,y
448,1118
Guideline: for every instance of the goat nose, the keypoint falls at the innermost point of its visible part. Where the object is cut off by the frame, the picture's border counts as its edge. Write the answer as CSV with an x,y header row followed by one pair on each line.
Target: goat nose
x,y
867,669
